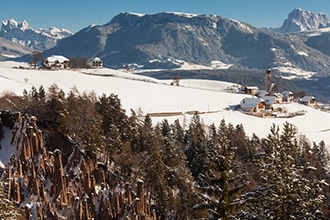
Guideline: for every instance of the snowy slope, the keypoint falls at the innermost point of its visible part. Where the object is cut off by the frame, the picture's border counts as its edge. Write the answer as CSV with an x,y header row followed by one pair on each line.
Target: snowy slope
x,y
156,96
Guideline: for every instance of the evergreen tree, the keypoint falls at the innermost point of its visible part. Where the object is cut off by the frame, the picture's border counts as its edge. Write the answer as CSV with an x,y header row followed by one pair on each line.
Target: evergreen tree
x,y
196,151
84,123
178,133
177,175
114,124
241,143
134,132
284,193
35,102
112,114
146,134
155,176
321,154
221,182
197,159
56,109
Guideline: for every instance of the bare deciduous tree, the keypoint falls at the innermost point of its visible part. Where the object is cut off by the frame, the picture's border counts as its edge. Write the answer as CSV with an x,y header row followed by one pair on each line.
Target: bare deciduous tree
x,y
176,80
35,57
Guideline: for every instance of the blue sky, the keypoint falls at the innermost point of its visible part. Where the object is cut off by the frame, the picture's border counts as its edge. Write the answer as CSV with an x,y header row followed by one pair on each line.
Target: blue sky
x,y
78,14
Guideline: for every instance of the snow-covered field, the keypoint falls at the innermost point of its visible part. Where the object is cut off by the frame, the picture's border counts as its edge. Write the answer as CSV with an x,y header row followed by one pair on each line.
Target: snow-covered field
x,y
157,96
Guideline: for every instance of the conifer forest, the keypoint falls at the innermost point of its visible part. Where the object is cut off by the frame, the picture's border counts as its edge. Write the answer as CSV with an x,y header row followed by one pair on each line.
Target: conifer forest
x,y
191,170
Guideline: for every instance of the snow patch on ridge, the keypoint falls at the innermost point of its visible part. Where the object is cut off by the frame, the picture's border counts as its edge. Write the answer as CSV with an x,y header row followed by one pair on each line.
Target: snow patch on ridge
x,y
302,53
288,72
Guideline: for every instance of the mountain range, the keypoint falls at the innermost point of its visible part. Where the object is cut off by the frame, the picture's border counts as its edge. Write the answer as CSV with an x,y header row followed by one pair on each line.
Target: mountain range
x,y
39,39
297,50
167,40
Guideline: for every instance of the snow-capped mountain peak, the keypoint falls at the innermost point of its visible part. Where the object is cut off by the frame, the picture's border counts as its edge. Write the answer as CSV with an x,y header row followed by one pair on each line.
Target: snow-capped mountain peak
x,y
302,20
39,39
12,24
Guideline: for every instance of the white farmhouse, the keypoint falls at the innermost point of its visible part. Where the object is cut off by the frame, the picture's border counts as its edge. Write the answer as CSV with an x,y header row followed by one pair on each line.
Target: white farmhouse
x,y
253,104
55,61
95,63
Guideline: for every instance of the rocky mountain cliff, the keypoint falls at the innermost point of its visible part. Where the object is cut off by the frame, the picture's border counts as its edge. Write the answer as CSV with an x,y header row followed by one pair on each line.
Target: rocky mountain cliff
x,y
58,182
38,39
166,40
302,20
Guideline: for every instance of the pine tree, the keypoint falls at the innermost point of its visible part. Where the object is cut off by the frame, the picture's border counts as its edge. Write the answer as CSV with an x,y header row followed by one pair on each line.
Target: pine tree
x,y
198,162
155,176
84,123
177,175
146,134
34,102
222,182
56,109
178,133
241,143
196,151
134,132
284,193
114,124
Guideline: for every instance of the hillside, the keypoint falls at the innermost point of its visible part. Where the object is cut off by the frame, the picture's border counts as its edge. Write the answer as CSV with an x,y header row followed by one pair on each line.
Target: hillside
x,y
77,151
167,40
11,49
149,95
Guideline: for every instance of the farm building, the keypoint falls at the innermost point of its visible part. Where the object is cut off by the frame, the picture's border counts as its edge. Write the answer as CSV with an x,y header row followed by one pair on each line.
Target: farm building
x,y
95,63
251,90
288,96
55,61
308,100
253,104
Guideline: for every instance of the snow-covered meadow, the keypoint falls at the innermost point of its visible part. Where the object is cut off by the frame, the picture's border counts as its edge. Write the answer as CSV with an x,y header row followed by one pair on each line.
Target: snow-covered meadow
x,y
150,95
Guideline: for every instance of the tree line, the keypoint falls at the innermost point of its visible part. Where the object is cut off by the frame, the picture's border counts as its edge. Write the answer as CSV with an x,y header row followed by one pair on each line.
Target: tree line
x,y
203,171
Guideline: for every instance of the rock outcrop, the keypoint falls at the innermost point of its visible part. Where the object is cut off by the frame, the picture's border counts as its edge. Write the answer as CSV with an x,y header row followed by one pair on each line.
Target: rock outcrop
x,y
50,188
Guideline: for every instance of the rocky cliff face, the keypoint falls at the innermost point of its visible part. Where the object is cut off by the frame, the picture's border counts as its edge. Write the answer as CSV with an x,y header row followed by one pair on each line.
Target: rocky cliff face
x,y
38,39
62,183
302,20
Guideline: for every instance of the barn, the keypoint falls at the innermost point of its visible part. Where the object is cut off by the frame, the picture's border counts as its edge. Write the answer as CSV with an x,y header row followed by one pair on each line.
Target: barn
x,y
55,62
